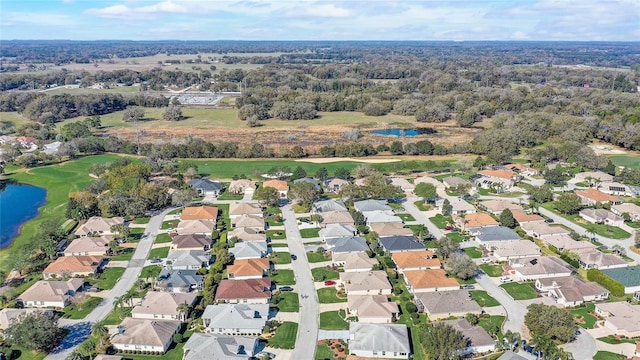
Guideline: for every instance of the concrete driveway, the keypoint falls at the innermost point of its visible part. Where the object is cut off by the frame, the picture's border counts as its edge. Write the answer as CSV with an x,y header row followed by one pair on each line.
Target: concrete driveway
x,y
515,310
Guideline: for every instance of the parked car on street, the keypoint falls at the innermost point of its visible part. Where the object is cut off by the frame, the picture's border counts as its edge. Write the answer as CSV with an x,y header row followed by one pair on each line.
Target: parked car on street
x,y
506,279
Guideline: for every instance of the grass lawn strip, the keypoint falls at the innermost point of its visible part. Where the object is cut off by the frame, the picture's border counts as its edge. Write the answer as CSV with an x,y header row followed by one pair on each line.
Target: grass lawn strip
x,y
309,233
163,238
492,270
79,311
473,253
108,278
289,302
331,320
315,257
483,298
285,337
283,277
280,258
276,234
160,253
520,291
329,296
322,274
606,355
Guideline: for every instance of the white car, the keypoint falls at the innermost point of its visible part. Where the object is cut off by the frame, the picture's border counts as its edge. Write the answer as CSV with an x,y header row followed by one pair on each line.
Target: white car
x,y
506,279
486,260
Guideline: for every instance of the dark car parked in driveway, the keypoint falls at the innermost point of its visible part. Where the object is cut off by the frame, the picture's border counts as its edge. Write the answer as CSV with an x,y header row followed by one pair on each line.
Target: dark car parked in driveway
x,y
285,288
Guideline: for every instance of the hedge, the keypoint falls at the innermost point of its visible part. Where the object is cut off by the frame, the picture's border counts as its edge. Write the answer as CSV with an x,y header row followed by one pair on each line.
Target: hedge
x,y
616,288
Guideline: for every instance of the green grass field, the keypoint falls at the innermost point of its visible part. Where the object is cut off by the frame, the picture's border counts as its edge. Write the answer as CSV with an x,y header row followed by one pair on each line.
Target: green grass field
x,y
440,221
314,257
520,291
79,311
322,274
492,270
607,355
309,233
163,238
289,302
329,296
283,277
583,317
276,234
285,337
609,231
280,258
473,253
331,320
628,160
492,323
483,298
108,278
160,253
150,271
123,254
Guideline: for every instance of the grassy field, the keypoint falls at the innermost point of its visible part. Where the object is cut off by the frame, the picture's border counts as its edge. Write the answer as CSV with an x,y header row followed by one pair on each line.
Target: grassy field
x,y
492,323
483,298
440,221
322,274
283,277
123,254
280,258
314,257
150,271
309,233
520,291
609,231
108,278
289,302
628,160
473,253
611,339
492,270
607,355
163,238
276,234
285,337
79,311
329,296
331,320
160,253
583,316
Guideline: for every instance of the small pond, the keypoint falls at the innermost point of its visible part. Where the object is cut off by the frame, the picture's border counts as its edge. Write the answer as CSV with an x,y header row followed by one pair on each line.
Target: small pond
x,y
404,132
19,203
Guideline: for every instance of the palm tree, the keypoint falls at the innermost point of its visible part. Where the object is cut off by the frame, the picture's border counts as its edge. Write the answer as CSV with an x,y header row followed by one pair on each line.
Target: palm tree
x,y
183,309
130,294
76,355
118,301
99,330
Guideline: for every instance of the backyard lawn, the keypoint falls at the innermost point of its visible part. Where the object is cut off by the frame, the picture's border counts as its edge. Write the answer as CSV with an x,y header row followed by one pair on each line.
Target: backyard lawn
x,y
331,320
473,253
315,257
79,311
160,253
492,270
285,337
108,278
279,258
520,291
309,233
483,299
329,296
583,317
289,302
322,274
283,277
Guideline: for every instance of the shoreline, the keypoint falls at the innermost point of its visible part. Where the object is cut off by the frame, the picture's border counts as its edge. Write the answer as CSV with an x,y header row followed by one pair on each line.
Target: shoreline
x,y
24,222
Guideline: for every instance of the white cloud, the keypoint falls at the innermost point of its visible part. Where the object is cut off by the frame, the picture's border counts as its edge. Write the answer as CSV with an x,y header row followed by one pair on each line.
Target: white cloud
x,y
115,11
327,10
163,7
125,12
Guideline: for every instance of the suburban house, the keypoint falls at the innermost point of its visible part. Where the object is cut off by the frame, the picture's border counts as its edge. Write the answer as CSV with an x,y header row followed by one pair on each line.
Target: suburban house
x,y
592,197
334,185
630,208
242,186
458,206
386,341
543,230
191,242
616,188
347,245
247,234
97,225
188,259
336,217
419,281
522,217
8,316
163,305
107,357
333,231
373,282
629,276
496,207
199,213
235,319
237,209
445,304
601,216
402,183
249,250
375,309
621,318
371,205
415,260
502,179
454,181
145,335
181,281
354,261
571,290
564,242
475,220
89,246
522,169
72,266
219,346
513,249
51,293
280,185
328,205
248,291
479,340
315,183
390,229
488,235
248,269
510,355
255,222
425,178
205,187
198,227
592,177
400,243
539,268
381,216
596,259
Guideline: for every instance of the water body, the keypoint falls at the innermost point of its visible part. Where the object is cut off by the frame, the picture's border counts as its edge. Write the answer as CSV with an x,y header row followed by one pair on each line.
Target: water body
x,y
19,203
404,132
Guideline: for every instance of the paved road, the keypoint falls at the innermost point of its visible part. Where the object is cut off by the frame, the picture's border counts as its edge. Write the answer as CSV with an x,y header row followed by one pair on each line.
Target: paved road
x,y
309,313
81,329
515,310
420,217
583,347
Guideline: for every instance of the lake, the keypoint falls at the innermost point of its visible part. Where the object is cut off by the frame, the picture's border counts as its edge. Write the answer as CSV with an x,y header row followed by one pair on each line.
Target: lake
x,y
19,203
404,132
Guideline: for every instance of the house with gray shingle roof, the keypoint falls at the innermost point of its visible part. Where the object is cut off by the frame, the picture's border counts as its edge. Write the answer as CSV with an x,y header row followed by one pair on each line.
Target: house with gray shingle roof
x,y
163,305
479,340
347,244
180,281
371,205
329,205
189,259
628,276
495,233
249,250
401,243
218,346
386,341
205,186
444,304
235,319
333,231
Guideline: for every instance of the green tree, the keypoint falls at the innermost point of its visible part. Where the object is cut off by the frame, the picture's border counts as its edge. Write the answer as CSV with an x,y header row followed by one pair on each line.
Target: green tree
x,y
568,203
35,331
121,230
550,321
183,309
74,130
447,208
133,114
425,190
183,196
99,330
396,148
473,319
76,355
506,219
304,192
298,173
342,173
555,176
445,247
541,194
322,174
267,195
461,265
172,113
443,342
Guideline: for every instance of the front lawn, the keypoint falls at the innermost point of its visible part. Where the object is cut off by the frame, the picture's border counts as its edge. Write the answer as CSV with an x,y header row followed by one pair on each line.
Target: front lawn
x,y
322,274
331,320
163,238
520,291
151,271
315,257
289,302
483,298
169,224
276,234
583,316
142,220
279,258
124,254
329,296
422,206
279,245
79,311
606,355
611,339
455,236
229,196
309,233
609,231
285,337
283,277
440,221
159,253
406,217
108,278
492,270
116,316
473,253
493,324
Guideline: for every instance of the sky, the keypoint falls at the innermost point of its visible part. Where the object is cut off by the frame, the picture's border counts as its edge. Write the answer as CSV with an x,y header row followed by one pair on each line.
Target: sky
x,y
556,20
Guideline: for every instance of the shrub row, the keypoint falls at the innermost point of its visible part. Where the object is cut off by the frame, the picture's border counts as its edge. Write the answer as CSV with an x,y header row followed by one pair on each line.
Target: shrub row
x,y
616,288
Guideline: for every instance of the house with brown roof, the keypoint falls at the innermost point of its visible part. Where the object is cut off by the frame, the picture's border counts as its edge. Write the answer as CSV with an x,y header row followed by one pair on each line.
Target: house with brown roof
x,y
89,246
255,222
522,217
199,213
630,208
596,259
540,267
249,291
248,269
496,207
280,185
334,185
373,309
571,290
601,216
247,234
9,316
402,183
445,304
51,293
621,318
501,179
415,260
373,282
522,169
145,335
454,182
242,186
564,242
354,261
390,229
513,249
478,339
199,227
163,305
237,209
475,220
97,225
592,197
191,242
336,217
592,177
543,230
429,280
72,266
